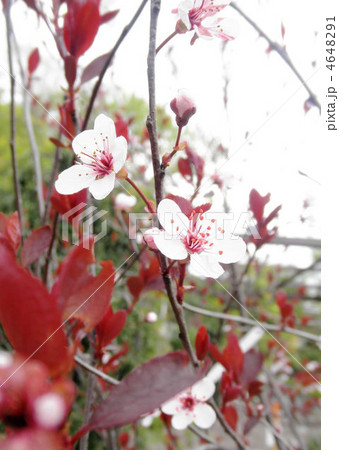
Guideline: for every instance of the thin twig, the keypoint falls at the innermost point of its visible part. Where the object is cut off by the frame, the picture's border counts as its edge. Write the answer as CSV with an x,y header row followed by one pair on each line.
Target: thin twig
x,y
110,57
283,402
225,425
50,248
201,435
27,100
51,182
151,124
9,34
264,325
133,260
281,52
95,371
297,273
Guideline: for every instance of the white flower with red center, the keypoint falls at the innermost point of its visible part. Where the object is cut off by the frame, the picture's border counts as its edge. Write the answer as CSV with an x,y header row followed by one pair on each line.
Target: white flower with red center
x,y
202,237
198,15
190,406
101,155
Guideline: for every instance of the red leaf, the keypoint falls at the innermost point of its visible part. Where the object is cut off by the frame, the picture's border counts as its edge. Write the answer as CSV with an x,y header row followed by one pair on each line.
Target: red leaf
x,y
64,203
135,286
144,390
110,326
121,126
271,216
185,168
257,204
202,342
70,69
33,61
254,388
231,416
233,355
12,230
286,310
81,26
80,294
94,68
30,316
253,361
197,162
280,297
34,246
57,142
185,205
30,438
66,122
108,16
219,357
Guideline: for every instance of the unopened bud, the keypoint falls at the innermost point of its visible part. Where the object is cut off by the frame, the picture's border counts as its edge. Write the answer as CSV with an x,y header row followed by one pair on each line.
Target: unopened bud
x,y
183,107
151,317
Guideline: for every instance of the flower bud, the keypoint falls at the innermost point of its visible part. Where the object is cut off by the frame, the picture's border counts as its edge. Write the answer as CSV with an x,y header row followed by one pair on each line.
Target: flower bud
x,y
124,202
151,317
183,107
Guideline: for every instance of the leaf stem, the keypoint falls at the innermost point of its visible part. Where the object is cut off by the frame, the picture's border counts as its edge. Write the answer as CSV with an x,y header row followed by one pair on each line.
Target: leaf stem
x,y
142,195
171,36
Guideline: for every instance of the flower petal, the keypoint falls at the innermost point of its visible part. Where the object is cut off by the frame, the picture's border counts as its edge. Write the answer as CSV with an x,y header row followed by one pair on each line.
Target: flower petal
x,y
203,265
74,179
172,407
170,246
203,389
204,416
119,152
229,250
182,420
183,10
83,143
104,126
171,218
102,187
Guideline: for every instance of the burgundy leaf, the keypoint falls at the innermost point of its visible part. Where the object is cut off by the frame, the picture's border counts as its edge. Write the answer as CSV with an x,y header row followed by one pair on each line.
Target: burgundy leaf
x,y
197,162
185,168
145,389
135,285
202,341
254,388
257,204
253,361
271,216
108,16
110,326
250,423
233,355
34,246
231,416
94,68
70,69
184,205
33,61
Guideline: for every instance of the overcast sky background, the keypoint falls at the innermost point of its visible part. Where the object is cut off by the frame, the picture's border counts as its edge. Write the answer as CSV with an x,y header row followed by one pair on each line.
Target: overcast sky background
x,y
265,99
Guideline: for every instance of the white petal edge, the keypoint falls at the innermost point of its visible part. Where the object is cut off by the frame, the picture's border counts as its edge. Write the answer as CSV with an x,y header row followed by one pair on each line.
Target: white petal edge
x,y
105,125
170,246
203,389
172,219
74,179
182,420
233,250
119,152
172,407
85,142
204,416
205,266
102,187
183,10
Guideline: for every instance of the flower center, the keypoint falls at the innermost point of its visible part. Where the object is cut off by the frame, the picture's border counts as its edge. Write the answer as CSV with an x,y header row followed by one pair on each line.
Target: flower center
x,y
101,160
188,403
197,237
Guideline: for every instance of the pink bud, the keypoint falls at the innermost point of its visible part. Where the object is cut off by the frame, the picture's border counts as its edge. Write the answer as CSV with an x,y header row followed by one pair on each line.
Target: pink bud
x,y
183,107
151,317
149,238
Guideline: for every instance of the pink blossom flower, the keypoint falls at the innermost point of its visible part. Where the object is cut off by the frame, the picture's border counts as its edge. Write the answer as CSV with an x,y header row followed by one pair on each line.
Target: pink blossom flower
x,y
202,237
198,15
183,107
190,406
101,156
49,410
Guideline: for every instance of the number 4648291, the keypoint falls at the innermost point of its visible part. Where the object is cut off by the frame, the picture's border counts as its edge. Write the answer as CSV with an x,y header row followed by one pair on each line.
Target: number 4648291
x,y
330,43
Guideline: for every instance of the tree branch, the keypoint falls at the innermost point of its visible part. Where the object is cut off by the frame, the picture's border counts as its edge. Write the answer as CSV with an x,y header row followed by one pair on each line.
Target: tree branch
x,y
9,34
281,52
95,371
264,325
110,57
